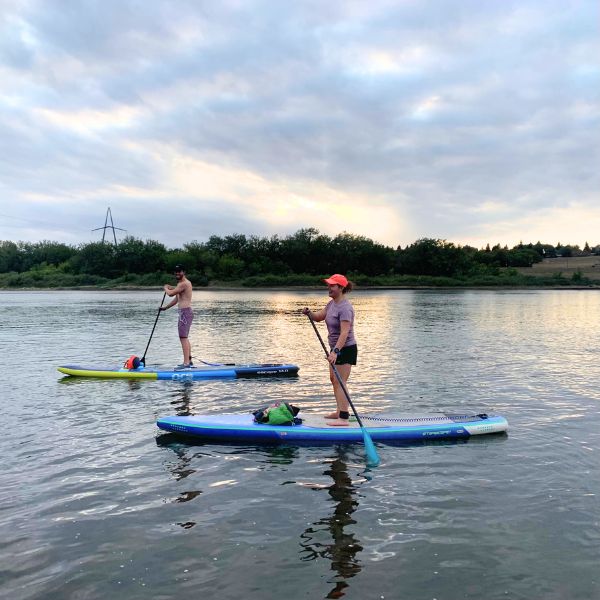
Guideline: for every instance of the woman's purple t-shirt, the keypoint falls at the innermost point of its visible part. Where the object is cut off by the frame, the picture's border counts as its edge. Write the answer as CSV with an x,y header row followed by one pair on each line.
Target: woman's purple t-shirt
x,y
334,314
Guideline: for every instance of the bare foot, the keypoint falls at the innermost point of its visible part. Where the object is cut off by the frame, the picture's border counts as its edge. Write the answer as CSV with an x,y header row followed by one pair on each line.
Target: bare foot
x,y
333,415
339,423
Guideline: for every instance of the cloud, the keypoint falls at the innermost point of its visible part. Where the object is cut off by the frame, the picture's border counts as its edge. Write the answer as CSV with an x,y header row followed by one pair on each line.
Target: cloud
x,y
575,223
395,120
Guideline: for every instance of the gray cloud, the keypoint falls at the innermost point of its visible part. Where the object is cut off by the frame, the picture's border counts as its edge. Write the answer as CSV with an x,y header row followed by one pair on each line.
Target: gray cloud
x,y
438,107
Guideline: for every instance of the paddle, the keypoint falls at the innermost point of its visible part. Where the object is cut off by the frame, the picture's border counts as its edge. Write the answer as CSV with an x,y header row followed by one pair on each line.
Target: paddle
x,y
214,364
143,359
372,456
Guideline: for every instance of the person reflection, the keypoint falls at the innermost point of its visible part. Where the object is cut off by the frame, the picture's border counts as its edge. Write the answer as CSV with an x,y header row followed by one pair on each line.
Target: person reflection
x,y
182,398
344,547
135,385
180,469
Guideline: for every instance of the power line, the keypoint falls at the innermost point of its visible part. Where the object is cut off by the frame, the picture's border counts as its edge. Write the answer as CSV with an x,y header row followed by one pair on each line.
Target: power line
x,y
107,226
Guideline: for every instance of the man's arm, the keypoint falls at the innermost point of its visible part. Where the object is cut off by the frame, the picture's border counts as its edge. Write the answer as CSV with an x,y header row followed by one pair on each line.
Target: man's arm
x,y
172,303
173,291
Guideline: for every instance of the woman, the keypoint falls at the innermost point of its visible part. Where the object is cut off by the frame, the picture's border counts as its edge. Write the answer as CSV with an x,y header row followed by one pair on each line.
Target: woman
x,y
339,317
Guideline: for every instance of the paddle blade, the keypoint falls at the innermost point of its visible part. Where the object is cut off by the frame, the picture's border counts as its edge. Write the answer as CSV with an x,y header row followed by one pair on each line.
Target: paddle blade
x,y
372,457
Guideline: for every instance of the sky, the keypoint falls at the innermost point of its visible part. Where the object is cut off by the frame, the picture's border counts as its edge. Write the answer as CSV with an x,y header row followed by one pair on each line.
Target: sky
x,y
473,121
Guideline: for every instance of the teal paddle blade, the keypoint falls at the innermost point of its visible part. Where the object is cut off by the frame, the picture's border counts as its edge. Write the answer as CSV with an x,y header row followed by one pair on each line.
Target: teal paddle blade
x,y
372,457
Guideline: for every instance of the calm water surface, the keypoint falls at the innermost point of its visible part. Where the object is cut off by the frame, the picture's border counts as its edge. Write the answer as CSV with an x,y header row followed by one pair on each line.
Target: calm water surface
x,y
96,503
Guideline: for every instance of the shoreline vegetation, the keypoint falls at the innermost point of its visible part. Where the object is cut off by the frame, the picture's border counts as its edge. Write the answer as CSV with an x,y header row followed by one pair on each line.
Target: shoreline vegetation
x,y
132,283
298,261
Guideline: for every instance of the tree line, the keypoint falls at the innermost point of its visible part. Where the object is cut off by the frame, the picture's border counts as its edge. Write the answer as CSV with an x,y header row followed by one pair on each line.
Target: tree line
x,y
294,258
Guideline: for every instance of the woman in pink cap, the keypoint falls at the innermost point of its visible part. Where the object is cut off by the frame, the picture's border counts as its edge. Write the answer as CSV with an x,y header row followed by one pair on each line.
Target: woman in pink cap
x,y
338,315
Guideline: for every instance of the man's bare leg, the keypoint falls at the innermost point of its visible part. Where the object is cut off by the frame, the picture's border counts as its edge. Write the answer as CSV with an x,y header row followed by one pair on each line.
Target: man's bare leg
x,y
187,350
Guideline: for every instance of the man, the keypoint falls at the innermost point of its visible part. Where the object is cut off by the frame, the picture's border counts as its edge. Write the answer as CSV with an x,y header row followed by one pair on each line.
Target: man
x,y
183,297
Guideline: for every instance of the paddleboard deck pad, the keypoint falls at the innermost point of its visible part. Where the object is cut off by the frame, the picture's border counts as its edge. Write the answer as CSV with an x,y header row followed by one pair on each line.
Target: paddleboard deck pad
x,y
314,428
187,374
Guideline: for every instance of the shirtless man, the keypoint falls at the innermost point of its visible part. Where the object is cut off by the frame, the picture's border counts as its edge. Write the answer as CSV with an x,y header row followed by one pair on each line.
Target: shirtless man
x,y
183,297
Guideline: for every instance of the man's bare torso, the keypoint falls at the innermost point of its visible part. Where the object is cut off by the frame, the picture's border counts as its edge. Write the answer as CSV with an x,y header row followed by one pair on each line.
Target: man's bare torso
x,y
184,293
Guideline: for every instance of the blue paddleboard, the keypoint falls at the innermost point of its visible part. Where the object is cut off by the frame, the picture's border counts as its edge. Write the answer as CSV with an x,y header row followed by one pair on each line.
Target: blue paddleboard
x,y
314,428
187,374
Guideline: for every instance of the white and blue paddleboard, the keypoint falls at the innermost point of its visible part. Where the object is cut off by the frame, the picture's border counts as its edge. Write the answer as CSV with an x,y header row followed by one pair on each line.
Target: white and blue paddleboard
x,y
186,374
314,428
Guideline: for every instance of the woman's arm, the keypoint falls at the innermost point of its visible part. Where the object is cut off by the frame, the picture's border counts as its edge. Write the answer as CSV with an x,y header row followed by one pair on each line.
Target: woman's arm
x,y
344,331
316,316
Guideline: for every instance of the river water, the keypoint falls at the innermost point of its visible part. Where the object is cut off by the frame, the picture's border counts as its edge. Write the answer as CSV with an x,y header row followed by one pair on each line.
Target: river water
x,y
96,503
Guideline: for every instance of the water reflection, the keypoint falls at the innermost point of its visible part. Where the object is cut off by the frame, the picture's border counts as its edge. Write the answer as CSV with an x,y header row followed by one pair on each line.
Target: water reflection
x,y
180,469
66,380
183,399
343,547
132,385
281,455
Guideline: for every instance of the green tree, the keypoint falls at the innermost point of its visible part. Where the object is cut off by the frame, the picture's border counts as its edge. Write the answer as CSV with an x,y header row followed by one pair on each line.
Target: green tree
x,y
10,257
95,258
305,251
50,253
135,256
361,254
433,257
229,267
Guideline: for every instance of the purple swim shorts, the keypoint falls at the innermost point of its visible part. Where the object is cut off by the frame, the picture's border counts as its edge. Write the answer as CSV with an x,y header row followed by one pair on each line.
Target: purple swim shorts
x,y
186,316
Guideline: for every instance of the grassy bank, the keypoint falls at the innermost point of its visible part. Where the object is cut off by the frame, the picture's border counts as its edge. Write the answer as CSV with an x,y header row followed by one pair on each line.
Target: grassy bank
x,y
52,278
586,267
506,278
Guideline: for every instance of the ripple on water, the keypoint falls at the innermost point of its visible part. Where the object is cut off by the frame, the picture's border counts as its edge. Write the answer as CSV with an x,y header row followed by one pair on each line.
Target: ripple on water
x,y
97,502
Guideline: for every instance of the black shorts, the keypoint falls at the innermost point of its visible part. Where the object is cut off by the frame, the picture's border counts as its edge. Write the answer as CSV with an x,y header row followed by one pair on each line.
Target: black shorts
x,y
347,355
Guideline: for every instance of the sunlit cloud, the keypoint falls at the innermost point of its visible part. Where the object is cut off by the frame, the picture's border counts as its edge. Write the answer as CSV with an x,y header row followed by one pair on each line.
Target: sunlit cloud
x,y
285,204
426,108
491,207
574,223
90,121
373,61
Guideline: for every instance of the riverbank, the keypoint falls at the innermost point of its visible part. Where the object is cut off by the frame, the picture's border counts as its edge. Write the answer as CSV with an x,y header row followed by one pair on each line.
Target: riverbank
x,y
306,288
549,275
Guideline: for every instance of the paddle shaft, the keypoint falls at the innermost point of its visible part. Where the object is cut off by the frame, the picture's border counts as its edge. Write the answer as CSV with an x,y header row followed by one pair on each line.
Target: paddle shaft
x,y
143,359
340,381
214,364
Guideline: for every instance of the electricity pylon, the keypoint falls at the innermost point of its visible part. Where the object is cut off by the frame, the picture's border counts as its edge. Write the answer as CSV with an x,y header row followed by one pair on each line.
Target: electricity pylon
x,y
107,226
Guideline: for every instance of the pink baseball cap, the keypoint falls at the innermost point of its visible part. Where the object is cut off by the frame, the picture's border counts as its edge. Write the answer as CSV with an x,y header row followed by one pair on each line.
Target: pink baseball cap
x,y
337,279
